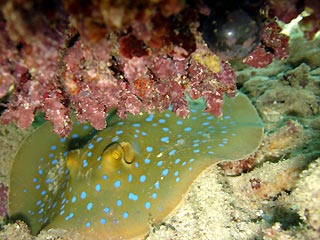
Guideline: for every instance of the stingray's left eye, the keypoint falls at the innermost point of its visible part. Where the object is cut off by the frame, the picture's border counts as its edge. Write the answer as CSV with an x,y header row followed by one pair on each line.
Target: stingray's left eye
x,y
113,153
116,153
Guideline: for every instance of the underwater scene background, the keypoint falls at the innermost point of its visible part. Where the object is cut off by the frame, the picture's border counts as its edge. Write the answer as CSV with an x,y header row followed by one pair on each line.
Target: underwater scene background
x,y
165,173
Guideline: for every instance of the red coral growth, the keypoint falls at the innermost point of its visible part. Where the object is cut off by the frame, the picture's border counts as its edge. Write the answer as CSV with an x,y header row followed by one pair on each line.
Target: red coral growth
x,y
36,45
142,86
274,44
3,200
211,85
7,48
274,39
259,58
129,55
158,79
131,47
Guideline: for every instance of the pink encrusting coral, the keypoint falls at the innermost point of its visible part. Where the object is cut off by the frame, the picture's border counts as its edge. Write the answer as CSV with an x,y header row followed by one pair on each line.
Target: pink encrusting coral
x,y
93,63
272,39
59,57
36,38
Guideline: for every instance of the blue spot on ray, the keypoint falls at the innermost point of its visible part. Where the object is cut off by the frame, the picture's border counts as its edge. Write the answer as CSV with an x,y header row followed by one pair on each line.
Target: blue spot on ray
x,y
103,221
84,163
119,132
69,216
83,195
147,161
165,172
98,187
143,178
90,146
130,178
125,215
172,152
75,135
164,139
53,147
133,196
89,206
162,120
119,202
117,184
147,205
187,129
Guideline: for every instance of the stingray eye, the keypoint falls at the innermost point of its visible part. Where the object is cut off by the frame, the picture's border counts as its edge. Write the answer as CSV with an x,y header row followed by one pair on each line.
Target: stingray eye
x,y
117,152
113,153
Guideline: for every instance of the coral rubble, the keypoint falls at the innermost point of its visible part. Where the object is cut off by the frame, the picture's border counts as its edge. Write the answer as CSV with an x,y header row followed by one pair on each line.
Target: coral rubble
x,y
308,195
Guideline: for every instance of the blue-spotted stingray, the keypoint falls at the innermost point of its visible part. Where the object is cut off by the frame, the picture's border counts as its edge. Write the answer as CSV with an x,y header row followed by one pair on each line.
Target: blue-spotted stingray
x,y
114,183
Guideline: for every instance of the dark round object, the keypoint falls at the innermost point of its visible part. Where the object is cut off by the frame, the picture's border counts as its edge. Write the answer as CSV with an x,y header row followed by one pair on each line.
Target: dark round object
x,y
231,35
